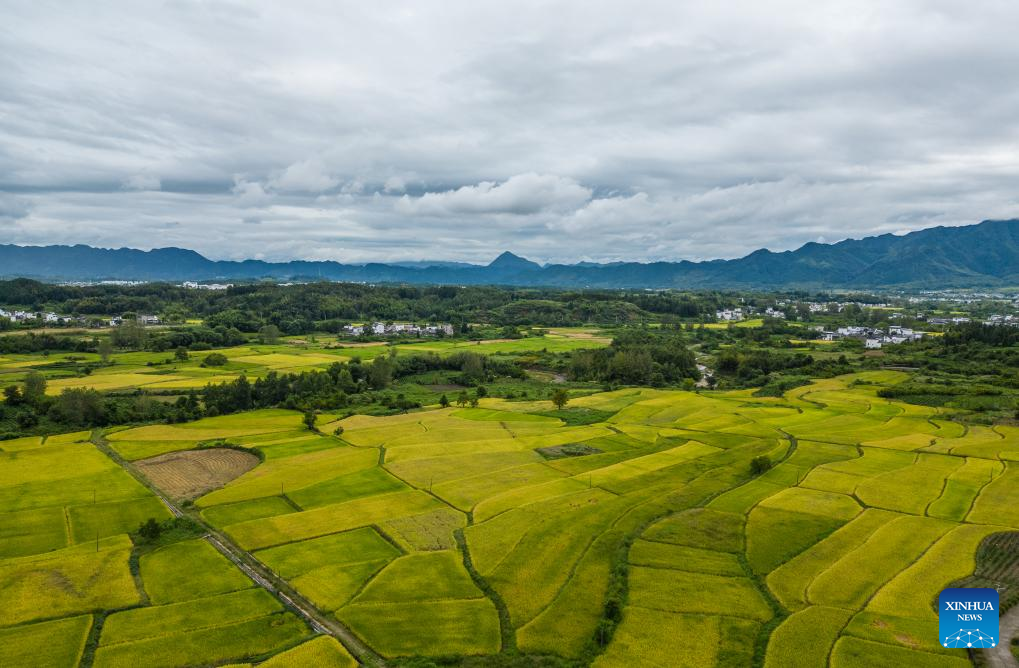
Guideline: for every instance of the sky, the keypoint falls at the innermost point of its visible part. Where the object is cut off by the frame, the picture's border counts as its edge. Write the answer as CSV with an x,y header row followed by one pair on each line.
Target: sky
x,y
454,130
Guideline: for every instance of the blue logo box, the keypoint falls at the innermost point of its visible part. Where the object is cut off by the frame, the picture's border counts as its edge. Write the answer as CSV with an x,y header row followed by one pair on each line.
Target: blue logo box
x,y
968,618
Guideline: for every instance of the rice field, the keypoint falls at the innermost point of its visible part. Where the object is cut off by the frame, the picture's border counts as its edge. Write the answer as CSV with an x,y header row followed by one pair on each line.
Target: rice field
x,y
447,532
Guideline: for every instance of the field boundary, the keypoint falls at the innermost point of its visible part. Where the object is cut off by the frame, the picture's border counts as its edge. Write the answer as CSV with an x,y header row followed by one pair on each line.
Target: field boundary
x,y
255,570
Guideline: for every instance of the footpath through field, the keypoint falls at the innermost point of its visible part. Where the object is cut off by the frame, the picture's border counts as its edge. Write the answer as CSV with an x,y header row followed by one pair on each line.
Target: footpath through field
x,y
1001,656
257,572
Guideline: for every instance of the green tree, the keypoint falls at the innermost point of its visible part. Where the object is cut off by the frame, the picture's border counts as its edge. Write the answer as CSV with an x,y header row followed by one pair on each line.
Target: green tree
x,y
309,420
481,391
105,349
760,464
444,401
461,399
215,359
270,334
181,354
150,529
35,387
559,397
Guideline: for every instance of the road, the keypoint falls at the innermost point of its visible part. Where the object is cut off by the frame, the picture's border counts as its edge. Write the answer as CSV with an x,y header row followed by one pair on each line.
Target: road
x,y
1008,628
259,573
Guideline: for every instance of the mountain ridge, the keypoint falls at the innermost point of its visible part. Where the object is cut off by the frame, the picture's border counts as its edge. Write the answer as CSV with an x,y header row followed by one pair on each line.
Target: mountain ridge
x,y
983,254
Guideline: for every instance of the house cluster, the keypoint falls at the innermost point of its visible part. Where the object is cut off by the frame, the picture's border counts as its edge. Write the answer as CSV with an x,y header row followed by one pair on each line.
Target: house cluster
x,y
960,320
46,316
398,329
872,338
743,312
146,320
998,319
192,285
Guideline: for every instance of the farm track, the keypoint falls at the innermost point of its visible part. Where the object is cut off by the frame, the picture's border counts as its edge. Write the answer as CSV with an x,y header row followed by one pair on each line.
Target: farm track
x,y
1008,628
319,621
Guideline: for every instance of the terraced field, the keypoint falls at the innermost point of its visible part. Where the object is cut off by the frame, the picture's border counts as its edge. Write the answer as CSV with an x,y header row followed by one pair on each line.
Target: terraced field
x,y
75,590
446,532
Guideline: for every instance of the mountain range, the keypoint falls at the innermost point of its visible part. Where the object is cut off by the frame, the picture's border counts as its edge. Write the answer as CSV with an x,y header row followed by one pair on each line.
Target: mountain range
x,y
981,255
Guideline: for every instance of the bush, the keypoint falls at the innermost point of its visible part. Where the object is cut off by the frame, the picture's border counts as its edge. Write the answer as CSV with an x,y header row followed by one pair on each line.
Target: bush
x,y
215,359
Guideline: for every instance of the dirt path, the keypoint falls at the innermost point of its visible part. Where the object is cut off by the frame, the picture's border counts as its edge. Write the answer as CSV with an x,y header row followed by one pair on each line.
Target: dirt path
x,y
1008,628
259,573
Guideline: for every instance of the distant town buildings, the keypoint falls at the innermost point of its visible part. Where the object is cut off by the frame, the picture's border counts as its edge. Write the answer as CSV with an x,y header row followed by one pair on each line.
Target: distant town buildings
x,y
398,329
192,285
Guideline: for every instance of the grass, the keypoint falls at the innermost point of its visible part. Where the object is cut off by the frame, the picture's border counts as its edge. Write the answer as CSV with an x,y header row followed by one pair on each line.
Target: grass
x,y
205,646
421,576
673,591
154,621
661,549
55,643
349,547
67,582
187,571
850,652
805,639
850,581
322,651
242,511
680,557
437,628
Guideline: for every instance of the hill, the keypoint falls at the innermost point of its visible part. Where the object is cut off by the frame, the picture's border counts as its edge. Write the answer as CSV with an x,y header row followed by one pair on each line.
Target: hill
x,y
982,255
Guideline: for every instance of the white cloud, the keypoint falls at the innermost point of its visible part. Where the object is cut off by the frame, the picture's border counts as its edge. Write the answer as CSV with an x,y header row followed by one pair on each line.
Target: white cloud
x,y
522,194
309,176
249,193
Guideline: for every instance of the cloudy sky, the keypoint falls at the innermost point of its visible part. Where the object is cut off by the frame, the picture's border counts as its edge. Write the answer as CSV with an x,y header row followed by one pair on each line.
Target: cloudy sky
x,y
562,131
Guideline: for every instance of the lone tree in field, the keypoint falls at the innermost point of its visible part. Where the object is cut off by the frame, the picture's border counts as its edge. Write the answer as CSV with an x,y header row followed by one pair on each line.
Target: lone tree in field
x,y
444,401
560,398
105,349
181,354
461,399
35,387
309,420
760,464
269,334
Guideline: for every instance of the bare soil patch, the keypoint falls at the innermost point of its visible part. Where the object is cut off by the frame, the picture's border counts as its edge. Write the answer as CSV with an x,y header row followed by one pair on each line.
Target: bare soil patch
x,y
192,473
570,450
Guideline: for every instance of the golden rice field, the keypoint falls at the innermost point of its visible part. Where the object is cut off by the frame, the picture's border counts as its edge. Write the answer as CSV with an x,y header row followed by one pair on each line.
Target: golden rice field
x,y
446,532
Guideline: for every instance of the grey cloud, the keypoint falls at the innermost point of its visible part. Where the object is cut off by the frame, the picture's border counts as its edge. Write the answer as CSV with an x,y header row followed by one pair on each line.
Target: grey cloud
x,y
563,130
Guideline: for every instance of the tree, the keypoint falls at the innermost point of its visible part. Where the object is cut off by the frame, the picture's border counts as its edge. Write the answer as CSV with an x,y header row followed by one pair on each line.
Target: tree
x,y
380,373
309,420
105,349
338,431
481,391
474,402
560,397
444,401
35,387
461,399
760,464
181,354
150,529
12,395
269,334
215,359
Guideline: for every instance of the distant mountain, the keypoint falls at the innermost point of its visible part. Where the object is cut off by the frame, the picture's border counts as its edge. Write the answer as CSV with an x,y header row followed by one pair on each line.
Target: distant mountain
x,y
971,256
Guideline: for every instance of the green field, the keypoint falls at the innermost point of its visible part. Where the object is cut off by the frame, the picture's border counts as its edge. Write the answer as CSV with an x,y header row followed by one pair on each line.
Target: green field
x,y
448,532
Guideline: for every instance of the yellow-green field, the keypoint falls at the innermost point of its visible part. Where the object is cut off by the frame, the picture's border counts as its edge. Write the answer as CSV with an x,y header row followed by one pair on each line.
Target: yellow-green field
x,y
66,567
445,532
160,371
